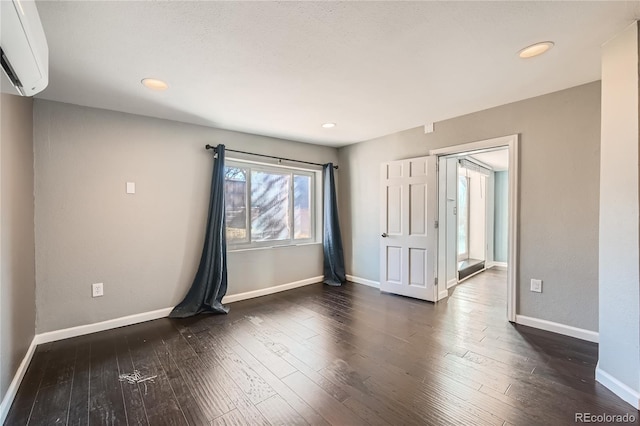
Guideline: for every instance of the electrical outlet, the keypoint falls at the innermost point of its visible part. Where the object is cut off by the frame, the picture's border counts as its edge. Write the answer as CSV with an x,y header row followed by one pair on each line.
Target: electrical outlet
x,y
97,290
536,286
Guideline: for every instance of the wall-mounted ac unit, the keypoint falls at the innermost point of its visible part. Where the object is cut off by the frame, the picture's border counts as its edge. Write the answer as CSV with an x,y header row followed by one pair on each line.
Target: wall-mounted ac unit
x,y
24,53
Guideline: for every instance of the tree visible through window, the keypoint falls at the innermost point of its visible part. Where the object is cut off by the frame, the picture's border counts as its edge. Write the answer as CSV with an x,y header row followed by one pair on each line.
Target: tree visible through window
x,y
235,188
268,204
302,207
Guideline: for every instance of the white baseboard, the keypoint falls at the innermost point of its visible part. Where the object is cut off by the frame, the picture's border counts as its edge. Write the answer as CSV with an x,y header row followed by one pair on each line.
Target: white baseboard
x,y
81,330
626,393
363,281
499,265
452,283
554,327
5,405
270,290
443,294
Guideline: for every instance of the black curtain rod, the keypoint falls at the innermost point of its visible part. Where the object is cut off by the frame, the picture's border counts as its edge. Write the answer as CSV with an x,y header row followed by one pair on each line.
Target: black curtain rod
x,y
207,146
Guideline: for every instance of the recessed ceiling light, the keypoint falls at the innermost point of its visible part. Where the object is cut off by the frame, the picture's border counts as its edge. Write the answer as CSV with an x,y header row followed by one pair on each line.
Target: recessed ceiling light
x,y
154,84
535,49
329,125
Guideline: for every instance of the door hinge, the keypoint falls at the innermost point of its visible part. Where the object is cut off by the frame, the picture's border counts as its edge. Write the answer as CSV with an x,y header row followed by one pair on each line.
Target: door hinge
x,y
436,225
436,280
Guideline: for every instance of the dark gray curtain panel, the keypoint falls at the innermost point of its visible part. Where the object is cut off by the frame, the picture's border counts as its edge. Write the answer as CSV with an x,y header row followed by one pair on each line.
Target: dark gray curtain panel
x,y
210,283
334,273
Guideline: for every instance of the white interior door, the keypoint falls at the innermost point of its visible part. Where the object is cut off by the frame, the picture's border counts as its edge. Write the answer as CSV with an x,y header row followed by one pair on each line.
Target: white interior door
x,y
408,231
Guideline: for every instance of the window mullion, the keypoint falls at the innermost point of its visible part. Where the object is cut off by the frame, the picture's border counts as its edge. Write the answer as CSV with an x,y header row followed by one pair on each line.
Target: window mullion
x,y
312,206
249,205
292,234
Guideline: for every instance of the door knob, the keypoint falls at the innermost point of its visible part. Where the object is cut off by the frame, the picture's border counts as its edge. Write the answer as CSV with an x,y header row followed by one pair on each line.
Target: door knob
x,y
384,235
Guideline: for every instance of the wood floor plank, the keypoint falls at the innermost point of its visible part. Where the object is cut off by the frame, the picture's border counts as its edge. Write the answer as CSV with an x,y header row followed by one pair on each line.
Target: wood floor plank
x,y
51,405
271,360
242,385
192,410
393,381
334,389
232,418
78,414
366,413
196,387
206,386
305,410
23,403
252,384
60,368
530,413
160,402
243,403
133,403
282,321
279,413
106,403
169,345
281,344
333,411
175,343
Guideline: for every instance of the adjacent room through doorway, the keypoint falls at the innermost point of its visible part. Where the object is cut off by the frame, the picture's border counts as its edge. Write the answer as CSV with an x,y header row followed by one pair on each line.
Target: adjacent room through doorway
x,y
479,213
475,187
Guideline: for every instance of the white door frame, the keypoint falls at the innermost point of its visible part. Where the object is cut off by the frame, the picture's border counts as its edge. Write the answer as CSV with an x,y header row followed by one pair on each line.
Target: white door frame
x,y
512,142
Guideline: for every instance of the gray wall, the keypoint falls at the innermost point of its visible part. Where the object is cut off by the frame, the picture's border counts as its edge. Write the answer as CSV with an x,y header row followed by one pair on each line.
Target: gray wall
x,y
501,217
144,247
559,188
619,349
17,289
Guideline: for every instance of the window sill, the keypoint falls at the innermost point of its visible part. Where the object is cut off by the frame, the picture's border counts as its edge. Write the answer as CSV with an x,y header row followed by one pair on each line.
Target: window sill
x,y
237,250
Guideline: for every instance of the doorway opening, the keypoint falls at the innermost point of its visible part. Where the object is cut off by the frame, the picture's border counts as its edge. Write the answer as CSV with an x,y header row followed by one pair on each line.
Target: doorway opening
x,y
477,213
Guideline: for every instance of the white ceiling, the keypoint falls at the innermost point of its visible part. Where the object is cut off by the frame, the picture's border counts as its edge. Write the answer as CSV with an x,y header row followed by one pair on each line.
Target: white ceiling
x,y
284,68
498,160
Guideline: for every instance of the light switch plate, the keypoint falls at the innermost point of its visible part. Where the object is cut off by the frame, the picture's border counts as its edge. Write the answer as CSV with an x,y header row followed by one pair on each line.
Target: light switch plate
x,y
536,286
131,187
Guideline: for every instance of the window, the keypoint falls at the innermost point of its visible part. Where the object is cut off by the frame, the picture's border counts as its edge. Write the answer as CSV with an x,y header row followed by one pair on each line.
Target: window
x,y
463,216
268,205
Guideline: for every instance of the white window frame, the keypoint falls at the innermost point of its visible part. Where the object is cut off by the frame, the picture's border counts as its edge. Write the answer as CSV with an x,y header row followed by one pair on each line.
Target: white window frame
x,y
316,204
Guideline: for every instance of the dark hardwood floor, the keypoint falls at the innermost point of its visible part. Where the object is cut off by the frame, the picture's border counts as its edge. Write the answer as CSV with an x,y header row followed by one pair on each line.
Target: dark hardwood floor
x,y
322,355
